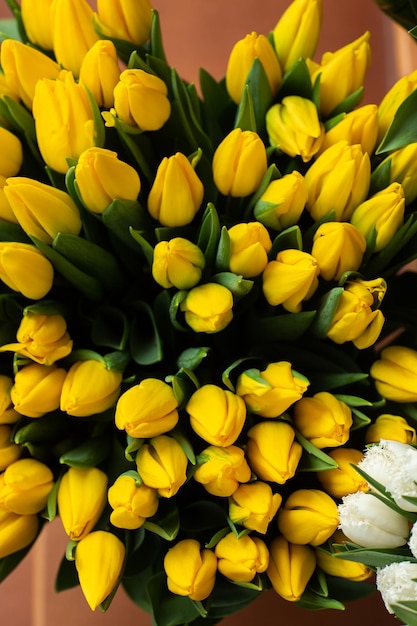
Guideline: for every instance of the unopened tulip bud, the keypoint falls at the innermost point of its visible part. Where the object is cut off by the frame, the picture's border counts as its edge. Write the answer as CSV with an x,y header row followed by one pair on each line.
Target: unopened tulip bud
x,y
9,451
16,532
177,192
290,279
290,568
272,391
254,506
11,155
272,451
294,127
42,211
132,504
37,389
8,415
239,163
403,170
177,263
23,67
25,486
343,479
323,419
351,61
208,308
147,409
395,374
99,559
101,178
249,246
162,465
222,469
190,570
141,100
241,558
100,72
397,584
241,59
338,247
392,101
308,516
297,32
6,211
130,20
89,388
73,33
37,22
393,427
360,126
82,496
24,269
283,201
342,568
338,181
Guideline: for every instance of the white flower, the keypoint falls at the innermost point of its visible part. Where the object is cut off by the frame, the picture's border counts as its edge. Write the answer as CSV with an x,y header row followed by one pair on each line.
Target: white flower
x,y
412,542
395,583
393,464
367,521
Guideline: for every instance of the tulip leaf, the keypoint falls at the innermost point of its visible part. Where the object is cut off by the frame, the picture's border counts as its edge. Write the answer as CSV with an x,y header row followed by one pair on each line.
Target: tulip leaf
x,y
296,82
145,341
67,576
216,538
156,45
223,251
191,358
9,29
89,453
259,96
166,522
123,215
326,312
169,609
209,234
202,515
313,601
349,103
372,557
45,429
218,104
287,326
235,283
406,610
289,238
315,460
245,116
12,232
110,328
378,263
403,128
228,598
359,419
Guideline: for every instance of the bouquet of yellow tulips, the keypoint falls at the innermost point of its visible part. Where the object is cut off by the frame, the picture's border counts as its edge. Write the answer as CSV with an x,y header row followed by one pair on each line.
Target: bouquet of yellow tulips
x,y
205,312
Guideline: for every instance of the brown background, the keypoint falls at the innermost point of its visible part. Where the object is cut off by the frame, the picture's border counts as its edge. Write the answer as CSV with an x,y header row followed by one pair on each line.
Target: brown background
x,y
201,33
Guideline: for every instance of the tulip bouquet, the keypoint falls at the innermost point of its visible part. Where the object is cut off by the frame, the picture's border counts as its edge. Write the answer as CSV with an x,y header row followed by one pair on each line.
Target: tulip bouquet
x,y
195,289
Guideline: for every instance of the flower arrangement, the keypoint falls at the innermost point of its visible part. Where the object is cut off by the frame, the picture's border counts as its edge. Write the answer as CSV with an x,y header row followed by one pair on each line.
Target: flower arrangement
x,y
205,314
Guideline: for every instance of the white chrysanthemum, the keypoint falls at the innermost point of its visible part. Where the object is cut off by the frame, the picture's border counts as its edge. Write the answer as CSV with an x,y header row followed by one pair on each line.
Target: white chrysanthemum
x,y
395,583
367,521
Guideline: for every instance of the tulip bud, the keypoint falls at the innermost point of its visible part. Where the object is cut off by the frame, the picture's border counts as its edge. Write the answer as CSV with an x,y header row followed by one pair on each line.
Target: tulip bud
x,y
308,516
271,392
290,568
342,568
344,479
99,560
37,22
100,72
351,62
73,32
24,269
177,263
393,427
293,127
338,247
241,558
272,451
147,409
6,212
216,415
392,101
221,470
16,532
162,465
384,211
37,389
11,155
60,133
101,177
249,246
360,126
25,486
241,59
323,419
9,451
403,170
397,584
208,308
130,20
355,318
254,506
282,202
297,32
367,521
8,415
89,388
395,374
338,181
190,570
23,67
177,192
82,496
141,99
42,211
239,163
290,279
131,503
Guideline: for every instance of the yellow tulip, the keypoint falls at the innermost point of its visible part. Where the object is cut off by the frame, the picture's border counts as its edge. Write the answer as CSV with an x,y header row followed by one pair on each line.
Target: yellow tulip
x,y
343,479
190,570
16,532
338,247
37,22
141,100
208,308
8,415
11,155
360,126
221,470
297,32
177,263
162,465
125,19
132,504
395,374
254,505
393,427
290,279
403,169
323,419
37,389
392,101
241,558
282,202
24,269
249,246
342,568
89,388
9,451
6,211
308,516
100,72
290,568
272,451
25,486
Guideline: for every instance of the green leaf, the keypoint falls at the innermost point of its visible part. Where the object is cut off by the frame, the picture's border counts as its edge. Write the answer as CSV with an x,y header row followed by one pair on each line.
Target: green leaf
x,y
9,29
67,576
296,82
166,523
12,232
45,429
169,609
202,515
121,216
326,312
239,286
403,128
313,601
192,357
349,103
406,611
209,234
245,115
283,327
289,238
145,340
315,460
256,100
223,251
372,557
157,48
110,328
89,453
